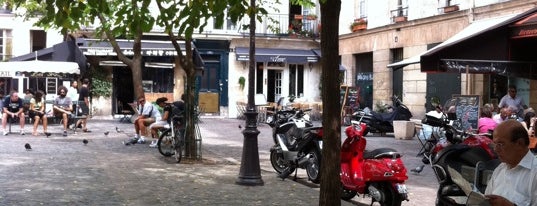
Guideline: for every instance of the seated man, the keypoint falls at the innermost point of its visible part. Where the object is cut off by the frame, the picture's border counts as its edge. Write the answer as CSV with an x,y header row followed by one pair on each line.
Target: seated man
x,y
160,123
148,115
63,107
505,113
13,107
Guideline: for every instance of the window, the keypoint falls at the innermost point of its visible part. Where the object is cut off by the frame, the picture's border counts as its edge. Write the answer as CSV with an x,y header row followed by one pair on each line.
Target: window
x,y
397,85
363,8
6,44
296,80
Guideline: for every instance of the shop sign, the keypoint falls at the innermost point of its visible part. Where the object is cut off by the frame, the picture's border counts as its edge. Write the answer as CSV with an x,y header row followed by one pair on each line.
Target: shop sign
x,y
129,52
524,31
278,59
5,74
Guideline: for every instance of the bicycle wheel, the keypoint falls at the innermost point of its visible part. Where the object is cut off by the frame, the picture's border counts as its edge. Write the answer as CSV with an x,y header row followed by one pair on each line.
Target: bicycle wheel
x,y
165,143
178,148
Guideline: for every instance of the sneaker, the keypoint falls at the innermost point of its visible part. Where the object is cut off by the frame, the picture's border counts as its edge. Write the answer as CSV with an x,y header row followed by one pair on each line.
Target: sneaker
x,y
5,133
65,133
153,144
141,140
22,132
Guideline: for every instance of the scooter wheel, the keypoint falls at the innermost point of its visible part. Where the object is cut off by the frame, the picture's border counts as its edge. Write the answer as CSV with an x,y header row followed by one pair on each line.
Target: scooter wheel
x,y
347,194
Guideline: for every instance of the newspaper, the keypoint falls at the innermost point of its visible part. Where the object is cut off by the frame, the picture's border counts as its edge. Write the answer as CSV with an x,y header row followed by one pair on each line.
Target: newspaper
x,y
474,198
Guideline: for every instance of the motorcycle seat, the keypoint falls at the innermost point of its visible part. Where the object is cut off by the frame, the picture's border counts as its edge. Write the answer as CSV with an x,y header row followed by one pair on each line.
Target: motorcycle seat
x,y
384,116
382,153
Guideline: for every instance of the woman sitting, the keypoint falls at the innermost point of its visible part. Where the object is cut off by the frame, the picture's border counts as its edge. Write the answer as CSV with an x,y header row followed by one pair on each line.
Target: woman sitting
x,y
486,124
37,112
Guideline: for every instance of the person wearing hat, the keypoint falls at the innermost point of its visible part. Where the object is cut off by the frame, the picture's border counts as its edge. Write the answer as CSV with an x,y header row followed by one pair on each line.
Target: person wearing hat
x,y
163,121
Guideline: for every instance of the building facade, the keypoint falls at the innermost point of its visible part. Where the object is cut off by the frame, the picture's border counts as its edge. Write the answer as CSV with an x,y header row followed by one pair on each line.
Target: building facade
x,y
411,31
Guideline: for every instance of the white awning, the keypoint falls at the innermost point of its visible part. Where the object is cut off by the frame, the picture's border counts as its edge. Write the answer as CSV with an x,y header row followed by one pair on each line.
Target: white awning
x,y
475,28
9,69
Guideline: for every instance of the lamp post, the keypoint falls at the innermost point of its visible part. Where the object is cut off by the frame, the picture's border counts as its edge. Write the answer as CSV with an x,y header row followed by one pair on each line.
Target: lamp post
x,y
250,171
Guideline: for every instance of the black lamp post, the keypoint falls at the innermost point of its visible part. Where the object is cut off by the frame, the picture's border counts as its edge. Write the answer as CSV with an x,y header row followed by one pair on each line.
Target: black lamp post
x,y
250,172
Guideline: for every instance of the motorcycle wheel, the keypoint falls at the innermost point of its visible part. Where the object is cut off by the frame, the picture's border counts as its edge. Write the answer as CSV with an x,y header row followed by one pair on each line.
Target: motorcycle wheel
x,y
278,163
347,194
314,168
390,197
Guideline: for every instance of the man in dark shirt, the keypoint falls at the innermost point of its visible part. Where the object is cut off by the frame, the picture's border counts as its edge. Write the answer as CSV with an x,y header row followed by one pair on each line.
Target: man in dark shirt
x,y
83,104
13,107
63,107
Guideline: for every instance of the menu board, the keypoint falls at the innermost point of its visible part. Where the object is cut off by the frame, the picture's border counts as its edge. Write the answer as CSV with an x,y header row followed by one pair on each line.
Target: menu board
x,y
467,110
349,97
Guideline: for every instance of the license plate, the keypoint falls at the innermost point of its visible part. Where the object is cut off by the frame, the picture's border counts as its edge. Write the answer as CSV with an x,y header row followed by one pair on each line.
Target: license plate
x,y
401,188
300,124
269,120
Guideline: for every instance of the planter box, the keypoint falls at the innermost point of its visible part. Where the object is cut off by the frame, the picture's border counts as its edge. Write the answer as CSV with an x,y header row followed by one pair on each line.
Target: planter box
x,y
403,130
359,27
399,18
453,8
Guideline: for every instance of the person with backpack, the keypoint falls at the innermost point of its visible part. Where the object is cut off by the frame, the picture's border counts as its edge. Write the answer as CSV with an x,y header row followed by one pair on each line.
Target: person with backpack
x,y
163,121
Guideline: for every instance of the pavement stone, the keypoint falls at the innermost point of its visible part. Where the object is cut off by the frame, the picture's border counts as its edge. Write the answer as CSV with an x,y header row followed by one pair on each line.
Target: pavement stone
x,y
63,171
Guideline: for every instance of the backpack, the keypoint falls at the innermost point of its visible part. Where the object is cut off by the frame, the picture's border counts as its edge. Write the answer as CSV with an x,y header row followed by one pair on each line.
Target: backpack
x,y
178,109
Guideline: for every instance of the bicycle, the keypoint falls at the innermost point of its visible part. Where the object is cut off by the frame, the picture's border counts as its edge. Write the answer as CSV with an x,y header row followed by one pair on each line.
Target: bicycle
x,y
172,139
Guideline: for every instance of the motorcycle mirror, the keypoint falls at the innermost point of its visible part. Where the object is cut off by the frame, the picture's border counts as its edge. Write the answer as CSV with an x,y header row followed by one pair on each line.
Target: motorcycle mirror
x,y
280,101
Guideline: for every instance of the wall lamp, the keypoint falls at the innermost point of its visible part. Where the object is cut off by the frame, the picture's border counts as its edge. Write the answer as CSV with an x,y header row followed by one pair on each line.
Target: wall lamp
x,y
310,64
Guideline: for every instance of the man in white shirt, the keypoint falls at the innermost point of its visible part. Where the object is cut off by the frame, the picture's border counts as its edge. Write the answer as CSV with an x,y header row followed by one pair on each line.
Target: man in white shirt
x,y
505,113
512,100
514,181
148,115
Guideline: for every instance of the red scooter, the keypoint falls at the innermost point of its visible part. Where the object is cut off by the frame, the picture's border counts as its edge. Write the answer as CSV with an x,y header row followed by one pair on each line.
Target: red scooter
x,y
380,173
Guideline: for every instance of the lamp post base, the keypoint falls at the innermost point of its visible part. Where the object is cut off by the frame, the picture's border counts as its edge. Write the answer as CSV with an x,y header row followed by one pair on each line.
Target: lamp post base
x,y
250,172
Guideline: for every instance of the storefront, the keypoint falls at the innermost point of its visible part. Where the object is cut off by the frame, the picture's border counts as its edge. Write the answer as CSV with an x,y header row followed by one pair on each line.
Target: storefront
x,y
158,76
489,55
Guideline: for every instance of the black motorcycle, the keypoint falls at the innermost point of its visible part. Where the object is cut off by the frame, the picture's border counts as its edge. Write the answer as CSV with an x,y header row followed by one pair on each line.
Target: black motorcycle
x,y
383,122
469,154
297,144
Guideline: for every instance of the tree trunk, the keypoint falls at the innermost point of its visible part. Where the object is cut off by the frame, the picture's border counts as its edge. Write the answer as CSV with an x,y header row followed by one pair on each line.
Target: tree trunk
x,y
136,69
330,193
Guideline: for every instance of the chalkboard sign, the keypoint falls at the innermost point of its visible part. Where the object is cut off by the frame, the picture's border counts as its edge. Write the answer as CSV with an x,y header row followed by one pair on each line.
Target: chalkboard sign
x,y
467,110
349,98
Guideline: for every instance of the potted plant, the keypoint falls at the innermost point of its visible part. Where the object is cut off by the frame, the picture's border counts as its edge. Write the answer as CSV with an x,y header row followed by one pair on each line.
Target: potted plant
x,y
358,24
242,82
311,17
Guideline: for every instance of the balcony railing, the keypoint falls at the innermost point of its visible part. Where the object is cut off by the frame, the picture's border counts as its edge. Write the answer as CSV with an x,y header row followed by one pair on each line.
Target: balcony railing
x,y
400,14
277,25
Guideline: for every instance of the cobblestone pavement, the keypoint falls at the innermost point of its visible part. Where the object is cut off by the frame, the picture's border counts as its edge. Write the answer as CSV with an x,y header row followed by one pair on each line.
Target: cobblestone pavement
x,y
63,171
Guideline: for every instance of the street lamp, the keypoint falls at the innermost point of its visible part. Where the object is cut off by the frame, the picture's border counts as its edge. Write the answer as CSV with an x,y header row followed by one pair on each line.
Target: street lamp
x,y
250,172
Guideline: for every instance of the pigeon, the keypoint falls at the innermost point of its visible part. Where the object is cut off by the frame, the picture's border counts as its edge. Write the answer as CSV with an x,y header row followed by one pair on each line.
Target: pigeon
x,y
240,127
418,169
47,134
85,141
118,130
106,133
27,146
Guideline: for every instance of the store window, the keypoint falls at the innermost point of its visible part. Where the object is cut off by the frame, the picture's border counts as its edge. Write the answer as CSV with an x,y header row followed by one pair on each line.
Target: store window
x,y
296,80
6,44
158,80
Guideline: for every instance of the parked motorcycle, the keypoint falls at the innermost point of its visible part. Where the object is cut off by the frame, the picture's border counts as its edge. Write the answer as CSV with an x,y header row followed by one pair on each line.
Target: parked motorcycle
x,y
297,143
460,150
379,173
383,122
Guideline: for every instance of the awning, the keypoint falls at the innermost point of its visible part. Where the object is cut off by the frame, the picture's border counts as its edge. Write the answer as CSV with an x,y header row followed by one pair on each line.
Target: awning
x,y
11,69
472,30
66,51
293,56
